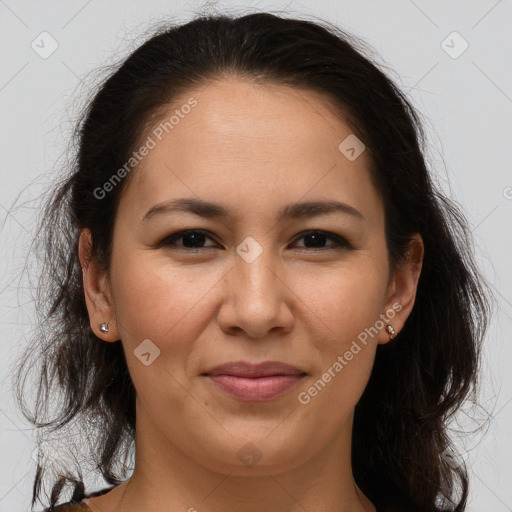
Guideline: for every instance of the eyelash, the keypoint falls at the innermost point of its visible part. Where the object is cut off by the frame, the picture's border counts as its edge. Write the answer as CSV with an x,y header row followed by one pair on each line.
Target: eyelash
x,y
339,242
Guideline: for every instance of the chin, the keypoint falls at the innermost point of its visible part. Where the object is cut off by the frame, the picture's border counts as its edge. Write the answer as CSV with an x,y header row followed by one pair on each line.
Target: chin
x,y
256,455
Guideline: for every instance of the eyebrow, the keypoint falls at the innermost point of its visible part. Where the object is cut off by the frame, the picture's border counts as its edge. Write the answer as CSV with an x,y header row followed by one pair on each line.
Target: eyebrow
x,y
214,210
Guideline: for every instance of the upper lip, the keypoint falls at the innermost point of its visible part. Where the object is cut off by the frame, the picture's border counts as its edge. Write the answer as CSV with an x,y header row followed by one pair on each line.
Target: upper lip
x,y
244,369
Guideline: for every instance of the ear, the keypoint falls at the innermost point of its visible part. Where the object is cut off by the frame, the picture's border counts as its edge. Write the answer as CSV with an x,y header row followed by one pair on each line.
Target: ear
x,y
402,288
97,290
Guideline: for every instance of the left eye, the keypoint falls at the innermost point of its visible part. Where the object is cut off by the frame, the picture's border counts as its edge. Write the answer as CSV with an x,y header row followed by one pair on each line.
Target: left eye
x,y
194,237
318,237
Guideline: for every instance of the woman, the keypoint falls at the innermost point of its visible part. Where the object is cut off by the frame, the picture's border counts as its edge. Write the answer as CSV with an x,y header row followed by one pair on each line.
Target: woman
x,y
253,286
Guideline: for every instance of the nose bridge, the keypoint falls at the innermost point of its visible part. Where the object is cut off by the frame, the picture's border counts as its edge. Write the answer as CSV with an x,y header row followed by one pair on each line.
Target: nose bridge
x,y
258,296
254,267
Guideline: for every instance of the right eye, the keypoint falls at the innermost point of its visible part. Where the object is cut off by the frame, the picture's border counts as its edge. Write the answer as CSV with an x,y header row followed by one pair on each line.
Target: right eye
x,y
192,239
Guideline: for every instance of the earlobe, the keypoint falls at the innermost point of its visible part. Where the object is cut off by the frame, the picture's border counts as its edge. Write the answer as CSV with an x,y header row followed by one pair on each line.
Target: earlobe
x,y
403,289
391,331
97,291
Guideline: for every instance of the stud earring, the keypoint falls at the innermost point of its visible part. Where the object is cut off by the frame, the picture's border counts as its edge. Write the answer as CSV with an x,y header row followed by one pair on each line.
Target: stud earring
x,y
392,333
104,327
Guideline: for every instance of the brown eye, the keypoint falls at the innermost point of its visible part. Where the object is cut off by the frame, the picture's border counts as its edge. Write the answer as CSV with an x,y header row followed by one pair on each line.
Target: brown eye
x,y
192,239
316,240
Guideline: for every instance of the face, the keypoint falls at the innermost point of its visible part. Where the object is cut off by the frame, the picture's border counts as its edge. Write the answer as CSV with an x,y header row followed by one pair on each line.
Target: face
x,y
309,289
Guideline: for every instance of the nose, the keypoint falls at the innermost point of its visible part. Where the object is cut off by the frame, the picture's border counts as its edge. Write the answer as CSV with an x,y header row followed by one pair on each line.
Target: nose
x,y
257,298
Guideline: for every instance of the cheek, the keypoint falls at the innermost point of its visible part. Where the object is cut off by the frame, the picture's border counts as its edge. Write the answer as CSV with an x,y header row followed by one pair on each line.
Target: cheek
x,y
150,295
168,306
163,303
342,309
342,364
343,303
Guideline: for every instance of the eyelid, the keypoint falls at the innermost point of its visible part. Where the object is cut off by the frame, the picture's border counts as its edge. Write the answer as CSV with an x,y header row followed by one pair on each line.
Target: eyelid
x,y
340,242
179,234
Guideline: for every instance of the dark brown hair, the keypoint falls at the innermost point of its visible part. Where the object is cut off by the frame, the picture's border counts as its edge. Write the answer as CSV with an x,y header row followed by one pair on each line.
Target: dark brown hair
x,y
418,381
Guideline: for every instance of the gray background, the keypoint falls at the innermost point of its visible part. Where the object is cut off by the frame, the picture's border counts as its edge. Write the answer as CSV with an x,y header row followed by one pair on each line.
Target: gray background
x,y
467,103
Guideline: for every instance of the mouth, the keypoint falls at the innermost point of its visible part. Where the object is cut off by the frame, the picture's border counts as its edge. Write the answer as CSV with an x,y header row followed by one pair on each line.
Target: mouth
x,y
254,382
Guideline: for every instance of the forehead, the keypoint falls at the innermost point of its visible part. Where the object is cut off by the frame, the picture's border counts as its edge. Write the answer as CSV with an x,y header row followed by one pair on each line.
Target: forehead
x,y
253,146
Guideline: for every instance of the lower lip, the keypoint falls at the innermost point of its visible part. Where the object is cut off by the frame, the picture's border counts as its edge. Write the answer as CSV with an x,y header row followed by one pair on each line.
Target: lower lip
x,y
258,389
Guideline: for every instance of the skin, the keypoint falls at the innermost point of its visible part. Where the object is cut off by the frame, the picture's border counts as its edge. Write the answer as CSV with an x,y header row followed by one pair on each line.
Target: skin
x,y
293,304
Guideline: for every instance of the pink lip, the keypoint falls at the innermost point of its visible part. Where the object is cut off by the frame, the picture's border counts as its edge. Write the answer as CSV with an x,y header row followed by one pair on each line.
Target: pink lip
x,y
255,382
